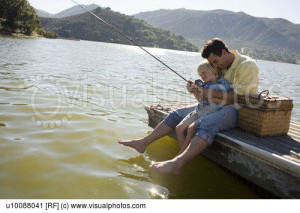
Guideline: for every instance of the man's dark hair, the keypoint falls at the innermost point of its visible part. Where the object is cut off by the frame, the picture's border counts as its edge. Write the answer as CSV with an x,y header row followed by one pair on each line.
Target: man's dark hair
x,y
214,46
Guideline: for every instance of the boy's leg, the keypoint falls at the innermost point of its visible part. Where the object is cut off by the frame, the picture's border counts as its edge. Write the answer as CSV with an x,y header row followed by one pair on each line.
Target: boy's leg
x,y
190,134
184,125
162,129
180,133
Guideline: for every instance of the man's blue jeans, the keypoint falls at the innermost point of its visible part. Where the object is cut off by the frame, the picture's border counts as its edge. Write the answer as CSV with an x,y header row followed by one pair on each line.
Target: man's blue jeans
x,y
210,125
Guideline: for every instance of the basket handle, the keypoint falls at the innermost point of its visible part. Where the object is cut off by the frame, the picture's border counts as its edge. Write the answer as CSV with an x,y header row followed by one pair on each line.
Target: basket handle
x,y
264,91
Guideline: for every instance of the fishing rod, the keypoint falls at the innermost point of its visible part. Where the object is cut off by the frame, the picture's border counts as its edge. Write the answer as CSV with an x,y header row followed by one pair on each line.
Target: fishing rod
x,y
136,44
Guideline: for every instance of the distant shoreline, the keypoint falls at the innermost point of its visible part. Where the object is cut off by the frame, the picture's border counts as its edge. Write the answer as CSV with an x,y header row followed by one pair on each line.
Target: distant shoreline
x,y
21,35
18,35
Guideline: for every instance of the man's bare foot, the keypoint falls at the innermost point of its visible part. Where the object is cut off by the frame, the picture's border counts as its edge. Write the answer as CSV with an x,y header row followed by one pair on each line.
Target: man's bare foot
x,y
138,145
166,167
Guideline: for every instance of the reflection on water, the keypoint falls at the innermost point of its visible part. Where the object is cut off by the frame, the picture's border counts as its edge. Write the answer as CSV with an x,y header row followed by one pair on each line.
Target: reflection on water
x,y
64,104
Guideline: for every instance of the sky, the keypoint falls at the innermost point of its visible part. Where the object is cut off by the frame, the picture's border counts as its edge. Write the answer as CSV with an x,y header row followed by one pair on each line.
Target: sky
x,y
287,9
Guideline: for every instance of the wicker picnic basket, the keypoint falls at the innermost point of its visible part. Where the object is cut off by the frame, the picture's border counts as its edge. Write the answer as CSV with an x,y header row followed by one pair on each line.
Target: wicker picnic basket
x,y
265,116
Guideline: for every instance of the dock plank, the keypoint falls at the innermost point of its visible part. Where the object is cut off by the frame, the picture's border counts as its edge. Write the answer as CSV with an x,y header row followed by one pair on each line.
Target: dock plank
x,y
280,145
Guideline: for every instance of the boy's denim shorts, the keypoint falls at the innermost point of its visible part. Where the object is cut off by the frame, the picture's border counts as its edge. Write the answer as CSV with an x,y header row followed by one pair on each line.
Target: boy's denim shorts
x,y
209,126
196,115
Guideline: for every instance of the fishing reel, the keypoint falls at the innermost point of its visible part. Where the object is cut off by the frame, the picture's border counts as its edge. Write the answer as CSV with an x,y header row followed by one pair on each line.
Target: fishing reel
x,y
198,82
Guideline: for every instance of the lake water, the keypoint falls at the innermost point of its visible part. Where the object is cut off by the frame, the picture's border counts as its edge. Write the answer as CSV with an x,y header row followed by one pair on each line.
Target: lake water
x,y
64,104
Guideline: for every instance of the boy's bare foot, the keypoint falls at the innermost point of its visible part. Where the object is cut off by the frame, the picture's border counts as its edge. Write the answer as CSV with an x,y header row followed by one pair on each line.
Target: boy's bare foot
x,y
138,145
166,167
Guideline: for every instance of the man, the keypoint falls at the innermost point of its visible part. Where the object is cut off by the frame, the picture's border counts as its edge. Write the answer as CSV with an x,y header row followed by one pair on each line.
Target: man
x,y
241,71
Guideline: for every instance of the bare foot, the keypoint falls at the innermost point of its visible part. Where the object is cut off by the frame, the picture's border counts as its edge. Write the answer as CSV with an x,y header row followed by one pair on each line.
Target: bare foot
x,y
138,145
166,167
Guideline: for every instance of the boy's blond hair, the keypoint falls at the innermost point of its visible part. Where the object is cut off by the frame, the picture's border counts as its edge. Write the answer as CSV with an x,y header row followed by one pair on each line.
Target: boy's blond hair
x,y
204,65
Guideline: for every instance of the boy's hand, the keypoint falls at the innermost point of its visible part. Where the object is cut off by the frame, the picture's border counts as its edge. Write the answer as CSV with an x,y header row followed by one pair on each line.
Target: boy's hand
x,y
195,86
189,86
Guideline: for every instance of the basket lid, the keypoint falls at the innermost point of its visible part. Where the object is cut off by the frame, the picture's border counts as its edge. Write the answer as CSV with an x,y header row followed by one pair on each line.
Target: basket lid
x,y
266,102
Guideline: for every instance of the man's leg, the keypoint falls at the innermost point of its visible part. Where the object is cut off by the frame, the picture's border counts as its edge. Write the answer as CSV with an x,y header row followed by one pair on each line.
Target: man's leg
x,y
175,165
162,129
140,145
207,129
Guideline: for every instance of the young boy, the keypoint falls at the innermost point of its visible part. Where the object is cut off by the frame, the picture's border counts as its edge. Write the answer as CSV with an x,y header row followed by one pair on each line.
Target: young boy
x,y
211,80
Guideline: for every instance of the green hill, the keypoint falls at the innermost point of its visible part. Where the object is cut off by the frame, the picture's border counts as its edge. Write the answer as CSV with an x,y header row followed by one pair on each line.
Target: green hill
x,y
19,17
86,27
262,38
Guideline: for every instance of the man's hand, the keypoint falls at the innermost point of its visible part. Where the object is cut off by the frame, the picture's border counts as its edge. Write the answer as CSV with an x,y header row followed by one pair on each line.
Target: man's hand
x,y
200,93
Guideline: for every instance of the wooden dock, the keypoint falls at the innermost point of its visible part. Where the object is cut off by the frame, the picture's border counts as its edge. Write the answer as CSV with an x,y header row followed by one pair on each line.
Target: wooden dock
x,y
272,163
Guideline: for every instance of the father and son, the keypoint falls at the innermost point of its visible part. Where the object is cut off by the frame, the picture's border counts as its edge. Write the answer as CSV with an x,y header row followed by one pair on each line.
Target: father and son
x,y
225,74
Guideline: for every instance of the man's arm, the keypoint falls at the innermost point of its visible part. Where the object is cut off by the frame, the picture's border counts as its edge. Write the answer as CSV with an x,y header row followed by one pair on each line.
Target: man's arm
x,y
197,95
218,97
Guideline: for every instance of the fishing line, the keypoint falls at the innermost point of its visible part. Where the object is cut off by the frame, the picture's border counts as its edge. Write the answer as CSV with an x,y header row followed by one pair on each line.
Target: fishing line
x,y
136,44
